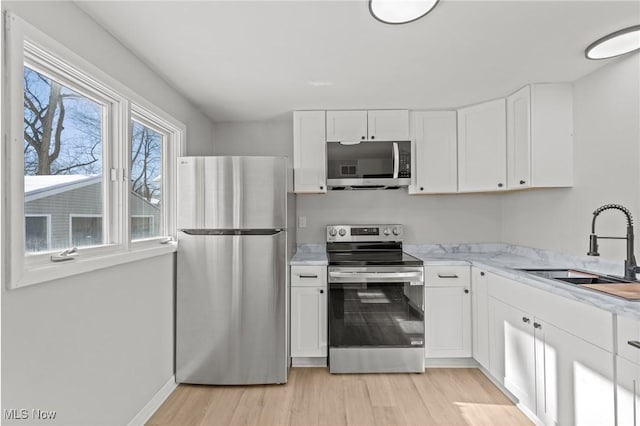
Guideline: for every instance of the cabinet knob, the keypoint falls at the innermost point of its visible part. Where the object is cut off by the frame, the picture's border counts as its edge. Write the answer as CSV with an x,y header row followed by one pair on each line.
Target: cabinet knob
x,y
363,138
500,185
525,320
321,291
373,137
537,325
422,188
322,187
482,274
466,291
522,182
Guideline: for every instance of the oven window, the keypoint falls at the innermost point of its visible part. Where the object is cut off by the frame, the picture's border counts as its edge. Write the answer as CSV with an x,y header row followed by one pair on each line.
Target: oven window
x,y
376,314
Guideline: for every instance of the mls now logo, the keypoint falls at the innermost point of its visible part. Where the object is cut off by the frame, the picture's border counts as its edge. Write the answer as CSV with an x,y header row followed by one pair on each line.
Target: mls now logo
x,y
25,414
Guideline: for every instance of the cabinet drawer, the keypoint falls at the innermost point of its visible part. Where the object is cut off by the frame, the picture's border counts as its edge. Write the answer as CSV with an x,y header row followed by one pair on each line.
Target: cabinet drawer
x,y
308,276
442,276
629,331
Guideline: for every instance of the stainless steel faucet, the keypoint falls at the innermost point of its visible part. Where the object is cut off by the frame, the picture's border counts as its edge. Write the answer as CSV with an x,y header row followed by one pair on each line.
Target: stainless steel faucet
x,y
630,265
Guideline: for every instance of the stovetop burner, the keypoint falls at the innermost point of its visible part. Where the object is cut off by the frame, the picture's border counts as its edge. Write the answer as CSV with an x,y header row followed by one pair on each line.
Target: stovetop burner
x,y
367,245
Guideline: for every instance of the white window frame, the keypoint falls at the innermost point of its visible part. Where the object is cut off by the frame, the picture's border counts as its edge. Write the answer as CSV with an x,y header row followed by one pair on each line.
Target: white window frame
x,y
74,215
26,45
48,217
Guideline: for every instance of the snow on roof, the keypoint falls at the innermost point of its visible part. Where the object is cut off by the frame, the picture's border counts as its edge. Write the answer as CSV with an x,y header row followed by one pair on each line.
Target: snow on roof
x,y
41,186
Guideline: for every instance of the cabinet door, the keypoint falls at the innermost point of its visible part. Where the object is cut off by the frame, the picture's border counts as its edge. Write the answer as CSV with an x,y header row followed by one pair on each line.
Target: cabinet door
x,y
346,126
447,322
519,139
512,356
308,322
480,316
388,125
574,379
628,392
436,157
309,152
482,147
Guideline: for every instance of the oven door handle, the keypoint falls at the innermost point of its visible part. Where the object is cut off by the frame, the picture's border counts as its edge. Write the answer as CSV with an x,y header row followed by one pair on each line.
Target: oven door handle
x,y
413,277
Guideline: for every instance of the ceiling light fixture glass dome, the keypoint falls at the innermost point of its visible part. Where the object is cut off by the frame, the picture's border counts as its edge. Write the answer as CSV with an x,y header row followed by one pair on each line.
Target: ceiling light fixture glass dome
x,y
400,11
615,44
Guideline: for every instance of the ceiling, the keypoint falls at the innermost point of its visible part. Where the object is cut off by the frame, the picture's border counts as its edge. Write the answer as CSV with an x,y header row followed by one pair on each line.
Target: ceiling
x,y
258,60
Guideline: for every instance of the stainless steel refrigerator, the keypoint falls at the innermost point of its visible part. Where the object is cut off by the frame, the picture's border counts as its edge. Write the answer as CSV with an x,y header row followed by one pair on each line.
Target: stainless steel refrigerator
x,y
231,290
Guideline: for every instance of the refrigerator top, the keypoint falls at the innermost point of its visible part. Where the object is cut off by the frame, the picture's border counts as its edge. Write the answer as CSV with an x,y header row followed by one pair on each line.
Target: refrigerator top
x,y
232,192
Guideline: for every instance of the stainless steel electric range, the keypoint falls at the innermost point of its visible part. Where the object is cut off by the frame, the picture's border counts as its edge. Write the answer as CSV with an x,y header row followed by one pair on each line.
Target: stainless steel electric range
x,y
376,301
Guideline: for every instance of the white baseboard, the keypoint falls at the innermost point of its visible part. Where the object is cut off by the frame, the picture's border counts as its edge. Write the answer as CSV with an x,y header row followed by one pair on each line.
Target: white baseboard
x,y
147,411
450,363
309,362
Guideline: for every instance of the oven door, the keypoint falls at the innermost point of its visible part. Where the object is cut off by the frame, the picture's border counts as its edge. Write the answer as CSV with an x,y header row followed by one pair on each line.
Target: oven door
x,y
376,319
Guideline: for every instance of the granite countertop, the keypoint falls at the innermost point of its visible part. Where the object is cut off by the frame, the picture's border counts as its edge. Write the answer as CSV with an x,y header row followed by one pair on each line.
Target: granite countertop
x,y
506,260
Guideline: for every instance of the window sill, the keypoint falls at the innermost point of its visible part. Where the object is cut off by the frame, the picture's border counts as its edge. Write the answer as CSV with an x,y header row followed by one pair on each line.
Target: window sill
x,y
54,271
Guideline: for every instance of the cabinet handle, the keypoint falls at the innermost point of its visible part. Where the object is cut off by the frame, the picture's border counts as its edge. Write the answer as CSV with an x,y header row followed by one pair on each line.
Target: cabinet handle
x,y
500,185
522,182
321,291
634,343
482,274
466,290
447,276
525,320
537,325
307,276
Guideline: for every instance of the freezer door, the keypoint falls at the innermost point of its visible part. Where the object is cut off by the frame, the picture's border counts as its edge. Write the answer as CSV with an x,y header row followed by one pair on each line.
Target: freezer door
x,y
232,192
231,304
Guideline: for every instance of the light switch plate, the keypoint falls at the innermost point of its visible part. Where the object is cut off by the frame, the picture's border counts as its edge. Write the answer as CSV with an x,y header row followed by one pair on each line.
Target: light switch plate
x,y
302,221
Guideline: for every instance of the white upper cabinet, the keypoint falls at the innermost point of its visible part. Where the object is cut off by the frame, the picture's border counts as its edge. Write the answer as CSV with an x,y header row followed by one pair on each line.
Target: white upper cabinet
x,y
540,136
482,147
353,126
388,125
435,152
309,152
551,135
519,139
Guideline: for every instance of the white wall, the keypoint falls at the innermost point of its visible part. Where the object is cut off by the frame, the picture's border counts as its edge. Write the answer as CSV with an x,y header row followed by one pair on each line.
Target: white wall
x,y
607,155
95,347
443,218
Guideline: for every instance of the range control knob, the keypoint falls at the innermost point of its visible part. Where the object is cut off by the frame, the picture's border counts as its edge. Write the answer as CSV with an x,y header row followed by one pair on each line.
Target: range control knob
x,y
386,231
333,232
396,231
342,232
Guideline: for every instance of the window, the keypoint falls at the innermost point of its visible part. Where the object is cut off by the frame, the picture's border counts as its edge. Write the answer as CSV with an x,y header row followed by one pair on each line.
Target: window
x,y
85,230
91,165
63,141
38,232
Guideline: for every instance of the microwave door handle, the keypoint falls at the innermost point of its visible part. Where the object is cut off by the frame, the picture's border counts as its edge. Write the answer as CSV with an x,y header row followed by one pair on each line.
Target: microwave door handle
x,y
396,160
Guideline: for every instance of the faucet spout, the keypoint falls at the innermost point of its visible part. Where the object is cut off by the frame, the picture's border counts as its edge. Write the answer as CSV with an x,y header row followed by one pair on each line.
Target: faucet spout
x,y
630,264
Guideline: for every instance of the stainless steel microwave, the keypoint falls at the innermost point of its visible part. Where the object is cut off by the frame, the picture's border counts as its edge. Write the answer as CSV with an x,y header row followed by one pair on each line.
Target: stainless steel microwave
x,y
368,165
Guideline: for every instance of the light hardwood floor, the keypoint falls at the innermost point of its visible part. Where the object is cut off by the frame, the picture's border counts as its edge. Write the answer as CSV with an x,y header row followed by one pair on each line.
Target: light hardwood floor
x,y
314,397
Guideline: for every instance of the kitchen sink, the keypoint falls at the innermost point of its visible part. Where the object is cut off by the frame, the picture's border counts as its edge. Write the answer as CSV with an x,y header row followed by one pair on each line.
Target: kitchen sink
x,y
575,276
607,284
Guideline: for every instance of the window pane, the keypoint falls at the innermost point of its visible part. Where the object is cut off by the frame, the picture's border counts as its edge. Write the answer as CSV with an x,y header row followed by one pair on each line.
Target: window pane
x,y
36,235
86,231
62,158
146,182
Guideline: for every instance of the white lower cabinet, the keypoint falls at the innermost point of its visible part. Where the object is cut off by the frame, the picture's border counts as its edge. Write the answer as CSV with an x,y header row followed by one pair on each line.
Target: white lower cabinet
x,y
558,377
447,312
480,316
628,392
308,313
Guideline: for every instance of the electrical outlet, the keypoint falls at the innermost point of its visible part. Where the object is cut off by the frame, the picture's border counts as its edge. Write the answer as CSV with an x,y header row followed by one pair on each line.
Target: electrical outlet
x,y
302,221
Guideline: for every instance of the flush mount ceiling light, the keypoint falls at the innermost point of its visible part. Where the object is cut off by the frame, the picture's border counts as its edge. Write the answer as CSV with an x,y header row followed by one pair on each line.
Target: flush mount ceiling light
x,y
615,44
400,11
